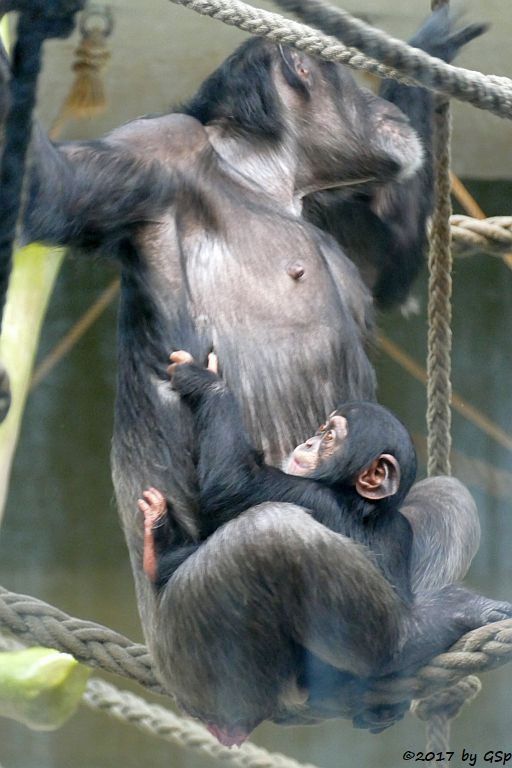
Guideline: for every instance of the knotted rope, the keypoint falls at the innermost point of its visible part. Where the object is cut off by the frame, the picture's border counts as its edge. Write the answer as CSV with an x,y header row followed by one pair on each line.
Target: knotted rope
x,y
492,235
34,622
446,705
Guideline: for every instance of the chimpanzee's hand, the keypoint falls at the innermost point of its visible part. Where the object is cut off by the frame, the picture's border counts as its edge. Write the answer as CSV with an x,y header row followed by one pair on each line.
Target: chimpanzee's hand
x,y
191,380
181,357
439,37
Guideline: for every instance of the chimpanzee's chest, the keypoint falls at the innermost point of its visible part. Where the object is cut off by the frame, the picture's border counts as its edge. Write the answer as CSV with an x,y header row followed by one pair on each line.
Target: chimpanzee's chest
x,y
272,294
261,266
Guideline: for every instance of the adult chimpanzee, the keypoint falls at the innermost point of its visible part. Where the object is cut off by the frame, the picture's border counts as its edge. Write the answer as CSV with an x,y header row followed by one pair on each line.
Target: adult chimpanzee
x,y
204,211
353,476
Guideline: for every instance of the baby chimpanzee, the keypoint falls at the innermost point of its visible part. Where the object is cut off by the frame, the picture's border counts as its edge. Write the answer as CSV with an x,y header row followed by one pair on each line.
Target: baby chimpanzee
x,y
352,475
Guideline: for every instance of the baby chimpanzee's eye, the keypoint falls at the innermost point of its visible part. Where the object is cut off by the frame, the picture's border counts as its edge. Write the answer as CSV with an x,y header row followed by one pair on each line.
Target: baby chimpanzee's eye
x,y
329,436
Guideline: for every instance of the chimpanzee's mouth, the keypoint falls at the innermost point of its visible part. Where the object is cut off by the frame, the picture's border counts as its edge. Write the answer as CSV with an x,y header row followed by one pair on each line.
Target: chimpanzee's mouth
x,y
350,182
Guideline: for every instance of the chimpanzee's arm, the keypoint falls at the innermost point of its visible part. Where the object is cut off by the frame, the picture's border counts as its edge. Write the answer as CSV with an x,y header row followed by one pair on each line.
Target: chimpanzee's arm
x,y
438,619
81,193
87,193
232,475
384,230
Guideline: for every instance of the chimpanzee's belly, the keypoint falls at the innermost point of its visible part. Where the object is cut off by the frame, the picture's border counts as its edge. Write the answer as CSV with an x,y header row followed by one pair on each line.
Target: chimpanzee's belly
x,y
274,277
281,318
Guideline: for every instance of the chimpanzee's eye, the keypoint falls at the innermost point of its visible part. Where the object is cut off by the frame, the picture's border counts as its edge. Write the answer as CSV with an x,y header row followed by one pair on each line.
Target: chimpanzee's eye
x,y
329,436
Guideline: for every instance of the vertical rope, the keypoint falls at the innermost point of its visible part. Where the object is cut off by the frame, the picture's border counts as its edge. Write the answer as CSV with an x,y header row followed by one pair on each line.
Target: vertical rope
x,y
440,338
438,729
440,292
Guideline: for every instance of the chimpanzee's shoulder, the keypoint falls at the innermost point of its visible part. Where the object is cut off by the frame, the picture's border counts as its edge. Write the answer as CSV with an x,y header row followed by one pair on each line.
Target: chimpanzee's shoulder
x,y
170,138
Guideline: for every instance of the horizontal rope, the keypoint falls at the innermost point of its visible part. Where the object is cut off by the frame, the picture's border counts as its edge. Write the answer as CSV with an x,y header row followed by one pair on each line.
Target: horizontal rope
x,y
492,235
34,622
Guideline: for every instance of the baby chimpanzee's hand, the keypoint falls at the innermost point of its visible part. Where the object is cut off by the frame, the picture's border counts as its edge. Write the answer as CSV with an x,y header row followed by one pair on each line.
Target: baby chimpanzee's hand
x,y
181,357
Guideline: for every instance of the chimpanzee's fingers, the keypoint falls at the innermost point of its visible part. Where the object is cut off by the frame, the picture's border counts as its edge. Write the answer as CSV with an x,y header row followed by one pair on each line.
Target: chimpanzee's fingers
x,y
152,496
464,36
213,362
156,495
180,357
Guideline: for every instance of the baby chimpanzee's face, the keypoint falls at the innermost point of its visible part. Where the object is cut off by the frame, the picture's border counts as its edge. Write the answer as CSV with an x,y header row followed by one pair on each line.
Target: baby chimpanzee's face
x,y
329,438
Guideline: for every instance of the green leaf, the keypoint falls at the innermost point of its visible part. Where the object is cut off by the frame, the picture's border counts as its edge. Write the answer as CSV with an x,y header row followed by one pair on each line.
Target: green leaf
x,y
40,687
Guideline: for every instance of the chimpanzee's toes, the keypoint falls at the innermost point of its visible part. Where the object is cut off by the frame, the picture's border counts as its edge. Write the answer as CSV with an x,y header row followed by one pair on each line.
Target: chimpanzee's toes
x,y
152,504
497,611
378,719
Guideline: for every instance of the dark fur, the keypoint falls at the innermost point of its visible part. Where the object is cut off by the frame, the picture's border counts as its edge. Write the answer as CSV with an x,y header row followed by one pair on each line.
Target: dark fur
x,y
228,96
320,641
383,230
204,258
233,477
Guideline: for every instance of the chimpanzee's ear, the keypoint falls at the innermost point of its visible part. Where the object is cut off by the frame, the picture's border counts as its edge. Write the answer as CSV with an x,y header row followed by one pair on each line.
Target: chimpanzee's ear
x,y
380,480
296,68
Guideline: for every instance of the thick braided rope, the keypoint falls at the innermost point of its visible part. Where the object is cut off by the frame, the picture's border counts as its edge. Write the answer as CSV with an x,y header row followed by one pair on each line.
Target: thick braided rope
x,y
393,58
38,21
451,700
188,734
158,721
439,391
34,622
437,711
439,306
492,235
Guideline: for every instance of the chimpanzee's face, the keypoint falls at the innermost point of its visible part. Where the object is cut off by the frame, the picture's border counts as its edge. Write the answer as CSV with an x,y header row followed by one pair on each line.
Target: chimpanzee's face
x,y
345,134
329,439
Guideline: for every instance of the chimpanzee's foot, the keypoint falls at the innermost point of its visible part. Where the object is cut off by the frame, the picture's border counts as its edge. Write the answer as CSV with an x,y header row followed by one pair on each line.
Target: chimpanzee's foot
x,y
494,610
378,719
153,506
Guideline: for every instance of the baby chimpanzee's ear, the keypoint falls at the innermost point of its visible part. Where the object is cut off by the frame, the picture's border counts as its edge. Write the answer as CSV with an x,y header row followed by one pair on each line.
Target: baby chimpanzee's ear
x,y
380,480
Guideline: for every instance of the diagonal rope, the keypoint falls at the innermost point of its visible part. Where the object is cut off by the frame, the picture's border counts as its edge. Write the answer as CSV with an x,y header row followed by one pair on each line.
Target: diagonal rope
x,y
158,721
393,58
